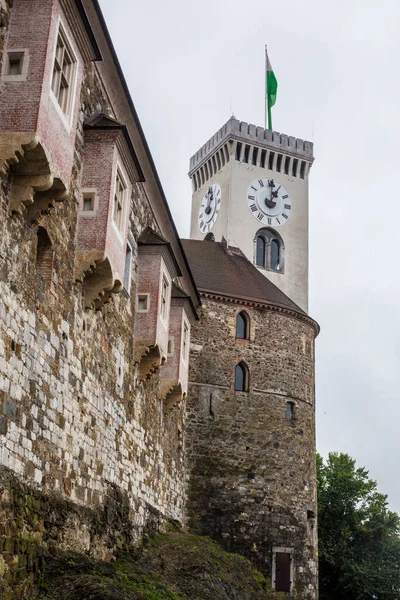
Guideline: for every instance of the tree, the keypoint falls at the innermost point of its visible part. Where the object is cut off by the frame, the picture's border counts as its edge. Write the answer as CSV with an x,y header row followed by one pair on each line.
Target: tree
x,y
359,543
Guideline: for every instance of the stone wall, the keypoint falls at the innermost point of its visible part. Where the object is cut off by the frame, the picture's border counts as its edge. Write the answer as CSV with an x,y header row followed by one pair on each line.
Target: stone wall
x,y
76,423
252,485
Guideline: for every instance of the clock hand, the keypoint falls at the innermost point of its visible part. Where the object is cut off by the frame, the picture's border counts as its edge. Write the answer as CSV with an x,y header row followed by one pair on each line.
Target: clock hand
x,y
275,194
269,201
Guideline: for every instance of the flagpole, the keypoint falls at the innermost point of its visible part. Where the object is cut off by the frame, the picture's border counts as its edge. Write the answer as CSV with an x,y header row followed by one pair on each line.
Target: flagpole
x,y
266,92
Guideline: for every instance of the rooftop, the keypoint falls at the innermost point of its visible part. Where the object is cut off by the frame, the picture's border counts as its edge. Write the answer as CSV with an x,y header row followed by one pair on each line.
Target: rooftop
x,y
227,272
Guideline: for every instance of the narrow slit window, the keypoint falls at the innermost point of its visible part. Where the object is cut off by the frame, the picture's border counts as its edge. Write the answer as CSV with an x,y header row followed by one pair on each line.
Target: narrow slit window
x,y
164,297
263,157
119,201
260,251
218,161
226,151
185,341
44,258
255,154
289,412
275,255
246,153
302,169
63,73
128,269
214,164
279,163
294,167
271,160
238,150
287,162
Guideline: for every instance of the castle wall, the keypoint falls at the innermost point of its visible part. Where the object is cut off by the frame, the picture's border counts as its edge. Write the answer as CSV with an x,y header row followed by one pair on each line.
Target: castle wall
x,y
252,480
77,426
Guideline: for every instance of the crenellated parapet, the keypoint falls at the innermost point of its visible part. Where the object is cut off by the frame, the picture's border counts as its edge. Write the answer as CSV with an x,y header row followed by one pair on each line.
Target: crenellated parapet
x,y
252,134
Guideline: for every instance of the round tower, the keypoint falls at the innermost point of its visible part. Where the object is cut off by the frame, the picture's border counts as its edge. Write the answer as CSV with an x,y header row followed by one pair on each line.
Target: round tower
x,y
251,419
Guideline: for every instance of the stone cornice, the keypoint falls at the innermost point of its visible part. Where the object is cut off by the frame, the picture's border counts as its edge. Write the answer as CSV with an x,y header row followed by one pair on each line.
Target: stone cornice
x,y
294,314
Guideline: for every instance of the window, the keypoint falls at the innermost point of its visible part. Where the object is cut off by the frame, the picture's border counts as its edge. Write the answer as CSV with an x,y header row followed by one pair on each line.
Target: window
x,y
16,65
170,349
241,377
119,201
242,326
44,258
128,269
88,201
210,237
238,150
289,412
185,341
269,250
143,302
164,297
63,73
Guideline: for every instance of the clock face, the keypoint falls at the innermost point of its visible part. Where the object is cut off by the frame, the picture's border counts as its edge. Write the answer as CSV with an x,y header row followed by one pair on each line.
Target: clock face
x,y
269,202
209,208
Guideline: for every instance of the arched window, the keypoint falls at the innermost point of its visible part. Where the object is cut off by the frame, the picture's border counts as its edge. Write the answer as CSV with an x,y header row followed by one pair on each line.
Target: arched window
x,y
269,250
243,326
210,237
275,255
260,251
241,377
44,258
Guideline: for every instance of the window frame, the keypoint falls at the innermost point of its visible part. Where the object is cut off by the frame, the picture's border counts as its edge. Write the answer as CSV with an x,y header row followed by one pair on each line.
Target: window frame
x,y
244,315
95,200
66,115
185,343
246,377
119,176
139,297
268,237
23,54
164,299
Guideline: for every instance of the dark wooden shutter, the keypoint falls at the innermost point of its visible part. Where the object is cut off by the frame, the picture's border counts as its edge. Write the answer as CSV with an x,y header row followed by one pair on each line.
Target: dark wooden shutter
x,y
282,578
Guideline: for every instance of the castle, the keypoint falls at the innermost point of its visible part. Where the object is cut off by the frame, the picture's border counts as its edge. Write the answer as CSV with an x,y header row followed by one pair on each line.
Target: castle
x,y
145,379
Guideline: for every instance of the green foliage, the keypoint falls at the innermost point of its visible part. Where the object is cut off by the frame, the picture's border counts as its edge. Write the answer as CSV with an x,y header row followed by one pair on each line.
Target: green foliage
x,y
359,544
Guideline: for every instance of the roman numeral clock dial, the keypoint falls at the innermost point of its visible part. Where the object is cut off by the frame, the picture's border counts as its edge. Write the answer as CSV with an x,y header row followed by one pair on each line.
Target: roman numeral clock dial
x,y
209,208
269,202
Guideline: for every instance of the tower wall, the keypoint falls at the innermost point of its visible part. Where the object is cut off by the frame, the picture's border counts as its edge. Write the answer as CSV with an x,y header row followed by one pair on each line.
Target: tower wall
x,y
277,156
252,484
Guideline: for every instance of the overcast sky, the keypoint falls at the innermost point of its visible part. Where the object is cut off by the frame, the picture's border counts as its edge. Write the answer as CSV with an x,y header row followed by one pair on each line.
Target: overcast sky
x,y
190,63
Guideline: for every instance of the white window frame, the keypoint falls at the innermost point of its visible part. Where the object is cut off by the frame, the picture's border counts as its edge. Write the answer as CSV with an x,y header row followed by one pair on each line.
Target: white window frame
x,y
128,269
66,116
93,193
185,349
276,550
119,174
143,310
23,54
164,300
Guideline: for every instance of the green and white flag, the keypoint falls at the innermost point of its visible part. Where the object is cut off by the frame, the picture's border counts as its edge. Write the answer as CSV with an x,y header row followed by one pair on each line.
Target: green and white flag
x,y
271,87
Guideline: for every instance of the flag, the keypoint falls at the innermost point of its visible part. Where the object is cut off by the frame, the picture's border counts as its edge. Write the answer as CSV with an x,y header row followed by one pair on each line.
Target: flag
x,y
271,87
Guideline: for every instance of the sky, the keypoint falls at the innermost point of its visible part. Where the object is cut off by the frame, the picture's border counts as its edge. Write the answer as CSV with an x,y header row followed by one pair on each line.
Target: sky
x,y
189,65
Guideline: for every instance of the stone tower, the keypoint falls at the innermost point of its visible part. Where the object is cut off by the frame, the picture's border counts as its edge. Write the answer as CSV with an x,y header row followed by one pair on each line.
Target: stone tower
x,y
250,186
251,419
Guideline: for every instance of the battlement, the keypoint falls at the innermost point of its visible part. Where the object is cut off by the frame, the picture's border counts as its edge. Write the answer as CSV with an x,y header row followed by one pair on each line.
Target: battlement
x,y
265,138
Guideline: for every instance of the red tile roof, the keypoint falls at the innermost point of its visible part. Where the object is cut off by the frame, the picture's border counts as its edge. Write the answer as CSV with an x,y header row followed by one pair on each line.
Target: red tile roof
x,y
226,271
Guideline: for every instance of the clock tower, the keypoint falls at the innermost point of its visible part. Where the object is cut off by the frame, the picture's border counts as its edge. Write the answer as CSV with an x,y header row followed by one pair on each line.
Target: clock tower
x,y
250,186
